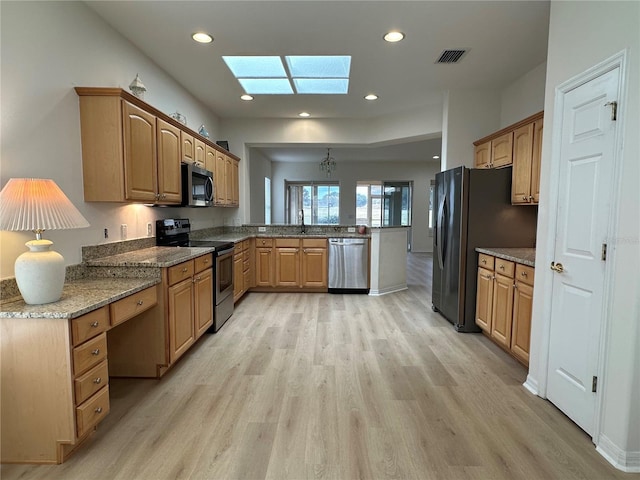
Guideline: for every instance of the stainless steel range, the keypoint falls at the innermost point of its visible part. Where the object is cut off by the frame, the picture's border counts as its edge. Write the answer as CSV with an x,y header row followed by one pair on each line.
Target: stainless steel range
x,y
175,233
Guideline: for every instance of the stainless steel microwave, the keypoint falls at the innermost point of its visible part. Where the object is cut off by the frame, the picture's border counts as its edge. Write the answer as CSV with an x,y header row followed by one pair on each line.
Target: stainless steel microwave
x,y
197,186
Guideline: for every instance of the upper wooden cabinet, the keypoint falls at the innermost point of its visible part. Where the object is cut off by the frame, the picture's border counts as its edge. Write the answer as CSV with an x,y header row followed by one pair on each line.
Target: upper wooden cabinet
x,y
525,181
225,179
483,155
494,153
131,152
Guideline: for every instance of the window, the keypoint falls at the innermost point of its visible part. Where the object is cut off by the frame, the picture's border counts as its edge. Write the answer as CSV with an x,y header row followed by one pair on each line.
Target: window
x,y
320,202
384,203
267,201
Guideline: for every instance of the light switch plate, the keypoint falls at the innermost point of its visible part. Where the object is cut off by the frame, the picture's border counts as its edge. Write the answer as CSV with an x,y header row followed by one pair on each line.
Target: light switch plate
x,y
262,229
351,229
123,231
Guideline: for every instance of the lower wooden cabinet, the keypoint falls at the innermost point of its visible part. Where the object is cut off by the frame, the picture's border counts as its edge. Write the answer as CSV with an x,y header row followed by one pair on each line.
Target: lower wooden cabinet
x,y
504,298
242,268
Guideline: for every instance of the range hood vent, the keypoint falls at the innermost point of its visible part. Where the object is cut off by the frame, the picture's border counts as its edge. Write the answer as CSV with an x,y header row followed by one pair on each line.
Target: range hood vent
x,y
451,56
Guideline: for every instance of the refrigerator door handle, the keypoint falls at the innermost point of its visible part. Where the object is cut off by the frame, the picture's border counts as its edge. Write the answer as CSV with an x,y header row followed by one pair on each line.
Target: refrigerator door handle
x,y
440,233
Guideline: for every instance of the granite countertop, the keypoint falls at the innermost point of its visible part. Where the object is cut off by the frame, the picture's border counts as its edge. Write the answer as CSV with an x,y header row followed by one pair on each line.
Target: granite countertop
x,y
155,257
239,237
525,256
78,297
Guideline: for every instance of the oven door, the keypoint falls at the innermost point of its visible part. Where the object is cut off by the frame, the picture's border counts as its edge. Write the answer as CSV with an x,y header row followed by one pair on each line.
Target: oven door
x,y
224,275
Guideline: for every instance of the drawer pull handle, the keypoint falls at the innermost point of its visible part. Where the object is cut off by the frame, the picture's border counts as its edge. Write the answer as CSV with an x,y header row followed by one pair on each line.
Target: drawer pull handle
x,y
484,262
184,270
95,324
206,260
524,274
95,352
98,410
97,380
501,267
139,302
525,198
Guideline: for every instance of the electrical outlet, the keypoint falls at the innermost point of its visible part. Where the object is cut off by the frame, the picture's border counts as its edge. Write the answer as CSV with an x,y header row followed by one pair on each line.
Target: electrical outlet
x,y
262,229
123,231
106,233
351,229
149,229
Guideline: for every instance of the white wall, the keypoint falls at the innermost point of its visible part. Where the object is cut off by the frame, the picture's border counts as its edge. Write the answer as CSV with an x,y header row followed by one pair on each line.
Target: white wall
x,y
47,49
581,35
524,97
260,168
348,173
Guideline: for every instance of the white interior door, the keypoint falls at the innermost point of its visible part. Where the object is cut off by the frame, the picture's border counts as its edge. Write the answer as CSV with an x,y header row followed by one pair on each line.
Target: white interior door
x,y
584,196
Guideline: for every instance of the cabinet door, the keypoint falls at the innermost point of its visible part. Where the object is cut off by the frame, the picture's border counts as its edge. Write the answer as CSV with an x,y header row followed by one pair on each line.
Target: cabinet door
x,y
522,155
314,267
238,276
219,179
210,160
181,330
199,153
234,183
536,160
264,267
203,301
188,147
502,150
140,165
228,177
484,299
483,155
502,310
169,152
521,331
287,267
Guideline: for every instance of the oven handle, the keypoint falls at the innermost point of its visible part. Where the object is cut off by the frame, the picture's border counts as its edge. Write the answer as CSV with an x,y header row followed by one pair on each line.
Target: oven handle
x,y
222,253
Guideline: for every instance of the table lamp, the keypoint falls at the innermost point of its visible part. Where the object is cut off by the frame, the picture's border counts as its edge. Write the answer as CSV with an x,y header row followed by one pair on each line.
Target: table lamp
x,y
38,204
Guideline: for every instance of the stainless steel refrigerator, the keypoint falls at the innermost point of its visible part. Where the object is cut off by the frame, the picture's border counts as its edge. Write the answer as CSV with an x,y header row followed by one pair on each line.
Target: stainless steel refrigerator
x,y
472,209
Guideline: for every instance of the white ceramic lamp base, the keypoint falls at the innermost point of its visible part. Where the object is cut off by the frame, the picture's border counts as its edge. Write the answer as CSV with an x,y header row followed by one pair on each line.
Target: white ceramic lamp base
x,y
40,273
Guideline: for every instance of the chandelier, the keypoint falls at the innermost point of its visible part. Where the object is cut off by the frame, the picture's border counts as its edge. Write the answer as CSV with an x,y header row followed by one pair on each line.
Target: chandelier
x,y
328,164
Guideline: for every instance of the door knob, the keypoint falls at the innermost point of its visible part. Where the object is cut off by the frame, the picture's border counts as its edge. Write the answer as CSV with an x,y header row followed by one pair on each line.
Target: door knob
x,y
557,267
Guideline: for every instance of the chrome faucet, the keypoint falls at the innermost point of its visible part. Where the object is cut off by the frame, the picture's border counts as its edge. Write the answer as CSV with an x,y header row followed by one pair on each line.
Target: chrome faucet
x,y
301,218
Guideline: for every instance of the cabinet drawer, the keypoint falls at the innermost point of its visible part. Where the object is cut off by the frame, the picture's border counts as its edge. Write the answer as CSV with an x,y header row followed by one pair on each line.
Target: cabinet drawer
x,y
90,353
203,262
245,245
486,261
264,242
525,274
89,325
505,267
92,381
246,265
179,272
246,256
288,242
314,242
92,411
132,305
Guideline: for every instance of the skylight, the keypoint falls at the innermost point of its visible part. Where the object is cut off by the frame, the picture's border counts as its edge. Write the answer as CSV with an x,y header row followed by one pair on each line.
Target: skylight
x,y
304,74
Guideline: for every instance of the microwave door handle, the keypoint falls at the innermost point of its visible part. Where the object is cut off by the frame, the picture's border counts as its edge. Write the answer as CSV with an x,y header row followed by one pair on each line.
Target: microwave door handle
x,y
208,189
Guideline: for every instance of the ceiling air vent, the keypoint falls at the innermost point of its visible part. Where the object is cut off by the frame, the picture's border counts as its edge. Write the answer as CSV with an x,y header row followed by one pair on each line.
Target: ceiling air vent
x,y
451,56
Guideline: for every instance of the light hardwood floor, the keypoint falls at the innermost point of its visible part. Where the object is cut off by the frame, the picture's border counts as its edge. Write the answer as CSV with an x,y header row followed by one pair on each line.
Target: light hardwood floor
x,y
309,386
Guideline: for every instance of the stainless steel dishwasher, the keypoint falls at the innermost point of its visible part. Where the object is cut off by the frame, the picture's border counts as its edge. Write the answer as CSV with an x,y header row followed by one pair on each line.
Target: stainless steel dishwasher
x,y
348,265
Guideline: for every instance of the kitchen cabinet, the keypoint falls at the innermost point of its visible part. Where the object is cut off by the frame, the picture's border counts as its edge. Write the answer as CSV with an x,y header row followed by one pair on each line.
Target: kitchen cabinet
x,y
525,183
55,379
264,262
131,152
291,264
504,300
483,155
494,153
242,268
189,303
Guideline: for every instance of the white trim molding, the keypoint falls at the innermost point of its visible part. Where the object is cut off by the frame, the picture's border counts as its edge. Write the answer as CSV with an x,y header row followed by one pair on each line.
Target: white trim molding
x,y
626,461
386,290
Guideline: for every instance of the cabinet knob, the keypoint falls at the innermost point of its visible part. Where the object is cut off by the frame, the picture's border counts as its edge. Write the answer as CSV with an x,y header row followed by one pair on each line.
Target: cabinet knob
x,y
95,324
206,260
530,198
95,352
484,262
501,267
97,380
525,198
184,270
98,410
139,302
524,274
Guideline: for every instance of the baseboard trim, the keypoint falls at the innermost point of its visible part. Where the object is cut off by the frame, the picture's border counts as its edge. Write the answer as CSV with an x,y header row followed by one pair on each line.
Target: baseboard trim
x,y
628,462
384,291
531,384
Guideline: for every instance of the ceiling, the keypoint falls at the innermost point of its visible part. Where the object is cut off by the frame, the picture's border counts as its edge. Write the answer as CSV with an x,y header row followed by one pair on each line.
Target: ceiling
x,y
504,39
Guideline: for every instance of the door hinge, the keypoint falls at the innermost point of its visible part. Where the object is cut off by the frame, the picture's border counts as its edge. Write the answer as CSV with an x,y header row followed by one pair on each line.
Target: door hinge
x,y
604,252
614,109
594,384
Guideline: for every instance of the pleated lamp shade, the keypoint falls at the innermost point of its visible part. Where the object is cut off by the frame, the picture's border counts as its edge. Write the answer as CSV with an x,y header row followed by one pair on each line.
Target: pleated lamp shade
x,y
38,204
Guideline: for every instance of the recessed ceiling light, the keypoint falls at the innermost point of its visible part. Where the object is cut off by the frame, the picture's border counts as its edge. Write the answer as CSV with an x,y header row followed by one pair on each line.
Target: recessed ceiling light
x,y
304,114
202,37
393,36
436,157
371,96
246,97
